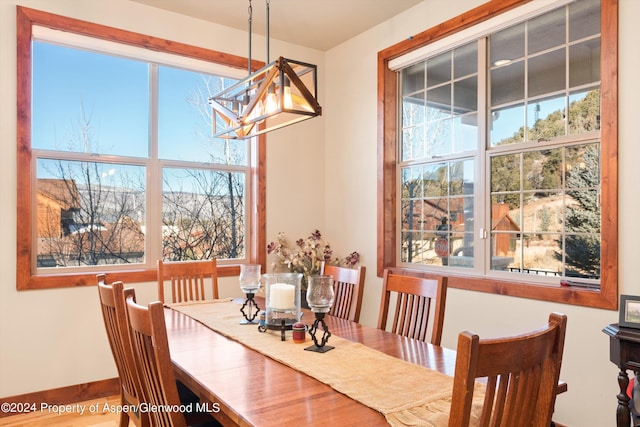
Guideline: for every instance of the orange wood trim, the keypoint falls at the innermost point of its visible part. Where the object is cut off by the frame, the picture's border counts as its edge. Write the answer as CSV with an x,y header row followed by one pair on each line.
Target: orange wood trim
x,y
609,152
66,395
467,19
25,19
607,297
23,83
72,280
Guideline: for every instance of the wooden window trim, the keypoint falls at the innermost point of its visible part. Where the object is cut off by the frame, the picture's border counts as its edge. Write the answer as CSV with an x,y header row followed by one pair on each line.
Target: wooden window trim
x,y
607,296
26,18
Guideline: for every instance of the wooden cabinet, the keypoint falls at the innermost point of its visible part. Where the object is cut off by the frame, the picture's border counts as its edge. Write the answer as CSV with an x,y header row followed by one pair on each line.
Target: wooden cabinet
x,y
624,352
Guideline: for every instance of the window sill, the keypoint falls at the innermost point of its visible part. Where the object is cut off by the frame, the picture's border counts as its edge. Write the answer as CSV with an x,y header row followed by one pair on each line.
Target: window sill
x,y
595,298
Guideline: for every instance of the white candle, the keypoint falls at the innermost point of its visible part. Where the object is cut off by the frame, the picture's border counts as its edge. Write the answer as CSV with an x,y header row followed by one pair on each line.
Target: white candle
x,y
282,296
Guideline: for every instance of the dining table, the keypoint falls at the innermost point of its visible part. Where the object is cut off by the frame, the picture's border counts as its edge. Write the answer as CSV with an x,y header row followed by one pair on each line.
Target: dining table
x,y
246,388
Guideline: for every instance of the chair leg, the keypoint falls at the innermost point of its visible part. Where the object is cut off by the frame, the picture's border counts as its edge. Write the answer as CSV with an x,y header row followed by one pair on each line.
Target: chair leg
x,y
124,419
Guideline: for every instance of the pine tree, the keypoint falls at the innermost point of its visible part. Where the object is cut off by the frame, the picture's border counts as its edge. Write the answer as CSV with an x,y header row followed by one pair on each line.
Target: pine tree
x,y
582,221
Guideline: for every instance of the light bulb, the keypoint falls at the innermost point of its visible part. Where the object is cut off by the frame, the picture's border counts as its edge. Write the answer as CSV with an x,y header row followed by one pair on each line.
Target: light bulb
x,y
271,102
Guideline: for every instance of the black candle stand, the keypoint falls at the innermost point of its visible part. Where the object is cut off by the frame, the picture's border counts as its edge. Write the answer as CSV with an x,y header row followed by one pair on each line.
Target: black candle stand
x,y
319,347
252,308
283,326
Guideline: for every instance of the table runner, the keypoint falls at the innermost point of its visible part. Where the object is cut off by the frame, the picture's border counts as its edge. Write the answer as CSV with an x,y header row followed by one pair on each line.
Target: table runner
x,y
405,393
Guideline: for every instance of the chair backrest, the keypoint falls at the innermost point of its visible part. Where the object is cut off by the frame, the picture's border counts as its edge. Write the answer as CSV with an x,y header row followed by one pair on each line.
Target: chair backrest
x,y
348,284
188,279
522,376
114,313
419,302
151,350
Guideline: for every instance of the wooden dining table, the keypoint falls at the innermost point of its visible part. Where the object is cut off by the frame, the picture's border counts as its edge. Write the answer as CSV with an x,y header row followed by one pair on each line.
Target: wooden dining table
x,y
250,389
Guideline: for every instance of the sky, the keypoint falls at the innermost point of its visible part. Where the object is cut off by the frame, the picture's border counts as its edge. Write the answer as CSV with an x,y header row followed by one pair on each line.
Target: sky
x,y
73,88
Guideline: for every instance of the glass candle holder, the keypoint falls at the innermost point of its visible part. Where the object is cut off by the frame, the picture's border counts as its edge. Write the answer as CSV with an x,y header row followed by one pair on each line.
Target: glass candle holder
x,y
283,301
320,296
250,284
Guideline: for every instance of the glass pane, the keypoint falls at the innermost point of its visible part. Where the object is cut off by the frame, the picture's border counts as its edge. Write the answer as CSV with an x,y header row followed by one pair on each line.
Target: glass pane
x,y
584,19
461,178
436,214
413,145
505,173
583,167
203,214
541,254
547,31
414,246
584,63
439,102
413,78
544,213
583,211
546,118
506,212
89,213
462,251
455,258
465,95
465,60
184,119
507,125
412,183
507,83
542,170
507,45
582,256
439,69
547,73
505,249
436,180
469,204
439,138
89,102
584,111
411,215
465,133
413,109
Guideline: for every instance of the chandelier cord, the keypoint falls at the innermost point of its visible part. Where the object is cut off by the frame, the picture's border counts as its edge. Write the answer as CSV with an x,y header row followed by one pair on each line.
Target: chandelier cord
x,y
250,11
268,5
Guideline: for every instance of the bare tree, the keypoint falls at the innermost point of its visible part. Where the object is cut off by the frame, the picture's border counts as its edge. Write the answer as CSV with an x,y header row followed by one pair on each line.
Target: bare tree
x,y
88,213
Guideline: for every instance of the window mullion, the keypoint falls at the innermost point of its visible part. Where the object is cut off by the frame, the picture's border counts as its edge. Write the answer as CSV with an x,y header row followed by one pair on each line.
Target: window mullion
x,y
153,240
482,190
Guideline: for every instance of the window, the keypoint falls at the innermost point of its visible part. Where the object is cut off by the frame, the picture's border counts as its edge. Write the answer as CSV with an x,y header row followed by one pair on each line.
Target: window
x,y
505,186
121,166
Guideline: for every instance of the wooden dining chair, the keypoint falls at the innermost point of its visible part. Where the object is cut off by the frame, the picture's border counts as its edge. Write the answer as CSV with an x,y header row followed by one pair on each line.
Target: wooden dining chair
x,y
187,280
150,345
348,284
114,313
522,376
419,302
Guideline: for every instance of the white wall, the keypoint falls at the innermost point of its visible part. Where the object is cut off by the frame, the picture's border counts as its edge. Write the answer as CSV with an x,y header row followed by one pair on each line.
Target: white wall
x,y
54,338
351,152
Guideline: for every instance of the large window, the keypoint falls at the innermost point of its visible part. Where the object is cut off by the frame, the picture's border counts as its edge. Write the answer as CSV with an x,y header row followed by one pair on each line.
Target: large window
x,y
122,168
498,162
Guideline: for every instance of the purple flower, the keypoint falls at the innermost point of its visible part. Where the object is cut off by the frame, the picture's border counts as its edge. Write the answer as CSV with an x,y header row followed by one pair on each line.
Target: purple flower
x,y
352,259
307,255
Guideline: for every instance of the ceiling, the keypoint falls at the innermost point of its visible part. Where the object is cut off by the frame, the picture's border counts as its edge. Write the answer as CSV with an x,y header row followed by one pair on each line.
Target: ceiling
x,y
318,24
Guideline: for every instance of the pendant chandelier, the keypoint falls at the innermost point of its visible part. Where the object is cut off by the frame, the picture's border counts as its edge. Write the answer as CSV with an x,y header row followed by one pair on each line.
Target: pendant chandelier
x,y
277,95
